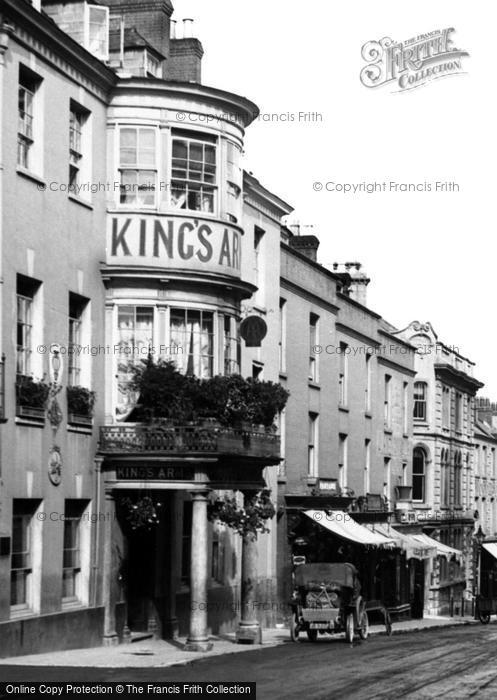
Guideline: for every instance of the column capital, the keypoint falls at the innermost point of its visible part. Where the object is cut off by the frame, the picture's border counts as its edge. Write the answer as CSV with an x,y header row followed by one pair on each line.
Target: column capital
x,y
200,495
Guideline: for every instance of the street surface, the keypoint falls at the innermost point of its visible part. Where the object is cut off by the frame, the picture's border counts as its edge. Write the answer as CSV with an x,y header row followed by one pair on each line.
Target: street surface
x,y
450,663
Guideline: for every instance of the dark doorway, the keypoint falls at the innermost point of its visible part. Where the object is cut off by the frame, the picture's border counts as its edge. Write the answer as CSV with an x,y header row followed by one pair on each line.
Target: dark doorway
x,y
417,588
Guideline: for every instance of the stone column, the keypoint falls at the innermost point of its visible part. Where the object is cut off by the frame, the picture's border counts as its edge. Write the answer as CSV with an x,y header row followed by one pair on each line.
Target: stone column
x,y
173,538
109,575
198,639
249,628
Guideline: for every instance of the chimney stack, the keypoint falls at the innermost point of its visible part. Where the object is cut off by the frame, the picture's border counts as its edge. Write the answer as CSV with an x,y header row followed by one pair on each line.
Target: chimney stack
x,y
357,289
307,245
185,57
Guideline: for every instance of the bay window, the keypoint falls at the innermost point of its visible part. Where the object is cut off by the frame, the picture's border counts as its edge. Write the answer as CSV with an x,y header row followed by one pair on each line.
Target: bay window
x,y
134,341
137,165
231,346
193,181
192,333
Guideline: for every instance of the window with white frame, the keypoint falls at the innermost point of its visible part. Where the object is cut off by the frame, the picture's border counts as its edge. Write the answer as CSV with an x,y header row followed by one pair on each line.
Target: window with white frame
x,y
342,460
369,367
231,345
387,401
343,374
27,288
25,556
312,449
367,466
282,336
314,339
135,325
234,182
29,84
194,171
387,469
137,165
419,474
192,336
71,558
78,117
77,307
420,401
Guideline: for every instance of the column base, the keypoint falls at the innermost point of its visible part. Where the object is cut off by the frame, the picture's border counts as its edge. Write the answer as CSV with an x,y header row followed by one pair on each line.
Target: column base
x,y
171,628
198,645
249,633
110,640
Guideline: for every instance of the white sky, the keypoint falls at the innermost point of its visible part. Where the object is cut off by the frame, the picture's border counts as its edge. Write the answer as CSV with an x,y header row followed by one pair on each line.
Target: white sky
x,y
430,255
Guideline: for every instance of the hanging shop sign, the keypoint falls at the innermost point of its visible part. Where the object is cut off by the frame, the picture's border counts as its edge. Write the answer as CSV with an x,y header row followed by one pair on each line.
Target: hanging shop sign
x,y
176,242
253,330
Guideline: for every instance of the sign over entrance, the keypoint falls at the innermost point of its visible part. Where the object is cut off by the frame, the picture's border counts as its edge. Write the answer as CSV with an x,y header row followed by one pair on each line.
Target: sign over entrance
x,y
176,242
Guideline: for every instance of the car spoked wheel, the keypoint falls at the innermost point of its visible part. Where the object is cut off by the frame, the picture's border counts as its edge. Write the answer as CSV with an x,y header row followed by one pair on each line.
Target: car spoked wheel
x,y
349,628
294,629
363,625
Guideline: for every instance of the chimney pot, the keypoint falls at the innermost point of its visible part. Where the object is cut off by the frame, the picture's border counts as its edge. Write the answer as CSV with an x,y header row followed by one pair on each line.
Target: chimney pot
x,y
187,28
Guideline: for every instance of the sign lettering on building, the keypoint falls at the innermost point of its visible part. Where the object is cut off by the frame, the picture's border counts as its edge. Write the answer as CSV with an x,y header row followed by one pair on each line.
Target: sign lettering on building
x,y
140,473
177,242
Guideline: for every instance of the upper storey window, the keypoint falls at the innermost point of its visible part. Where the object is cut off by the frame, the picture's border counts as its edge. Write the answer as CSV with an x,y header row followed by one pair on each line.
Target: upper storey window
x,y
138,167
193,181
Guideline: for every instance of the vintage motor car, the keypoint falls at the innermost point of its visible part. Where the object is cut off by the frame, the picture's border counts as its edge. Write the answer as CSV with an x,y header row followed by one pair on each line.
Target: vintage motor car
x,y
326,600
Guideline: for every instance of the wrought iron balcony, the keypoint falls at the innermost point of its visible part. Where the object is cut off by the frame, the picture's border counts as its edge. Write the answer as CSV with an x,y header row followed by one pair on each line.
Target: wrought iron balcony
x,y
142,439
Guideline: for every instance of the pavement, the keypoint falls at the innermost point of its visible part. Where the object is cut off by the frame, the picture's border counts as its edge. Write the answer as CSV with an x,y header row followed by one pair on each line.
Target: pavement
x,y
153,653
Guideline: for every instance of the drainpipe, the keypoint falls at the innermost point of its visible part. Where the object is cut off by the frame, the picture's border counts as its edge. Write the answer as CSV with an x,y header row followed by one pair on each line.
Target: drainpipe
x,y
5,33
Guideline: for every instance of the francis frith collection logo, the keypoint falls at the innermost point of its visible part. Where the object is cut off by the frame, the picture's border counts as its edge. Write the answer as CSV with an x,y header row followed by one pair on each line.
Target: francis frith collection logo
x,y
409,64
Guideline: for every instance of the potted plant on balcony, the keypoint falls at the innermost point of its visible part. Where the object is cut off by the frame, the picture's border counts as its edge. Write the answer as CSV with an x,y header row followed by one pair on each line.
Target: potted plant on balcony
x,y
80,405
31,397
247,520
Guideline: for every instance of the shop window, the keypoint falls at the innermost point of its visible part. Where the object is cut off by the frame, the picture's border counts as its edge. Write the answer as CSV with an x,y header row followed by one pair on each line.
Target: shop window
x,y
420,398
192,334
194,172
137,165
313,356
418,474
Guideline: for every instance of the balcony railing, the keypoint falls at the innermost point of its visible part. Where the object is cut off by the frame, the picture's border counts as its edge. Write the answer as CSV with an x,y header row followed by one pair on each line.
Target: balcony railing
x,y
142,438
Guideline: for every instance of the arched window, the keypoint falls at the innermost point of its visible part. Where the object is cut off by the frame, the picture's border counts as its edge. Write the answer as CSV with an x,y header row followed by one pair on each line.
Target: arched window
x,y
418,474
420,396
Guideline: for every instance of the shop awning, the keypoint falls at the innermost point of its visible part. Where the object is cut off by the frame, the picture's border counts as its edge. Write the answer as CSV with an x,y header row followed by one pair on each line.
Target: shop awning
x,y
343,525
491,548
413,548
443,550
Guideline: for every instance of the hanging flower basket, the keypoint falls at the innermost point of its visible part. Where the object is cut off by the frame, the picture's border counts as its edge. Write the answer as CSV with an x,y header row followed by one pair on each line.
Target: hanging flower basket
x,y
249,519
140,513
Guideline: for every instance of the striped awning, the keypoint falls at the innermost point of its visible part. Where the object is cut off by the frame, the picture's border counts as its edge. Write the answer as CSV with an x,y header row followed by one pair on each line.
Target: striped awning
x,y
343,525
413,548
443,550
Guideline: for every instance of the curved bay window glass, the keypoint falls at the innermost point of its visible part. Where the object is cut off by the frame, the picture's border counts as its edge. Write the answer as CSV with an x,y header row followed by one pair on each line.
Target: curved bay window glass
x,y
137,164
193,181
418,474
192,336
231,346
135,337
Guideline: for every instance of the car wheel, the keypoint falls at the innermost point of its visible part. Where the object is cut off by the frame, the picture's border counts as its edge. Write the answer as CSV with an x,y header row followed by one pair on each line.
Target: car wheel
x,y
349,628
484,618
363,625
294,628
